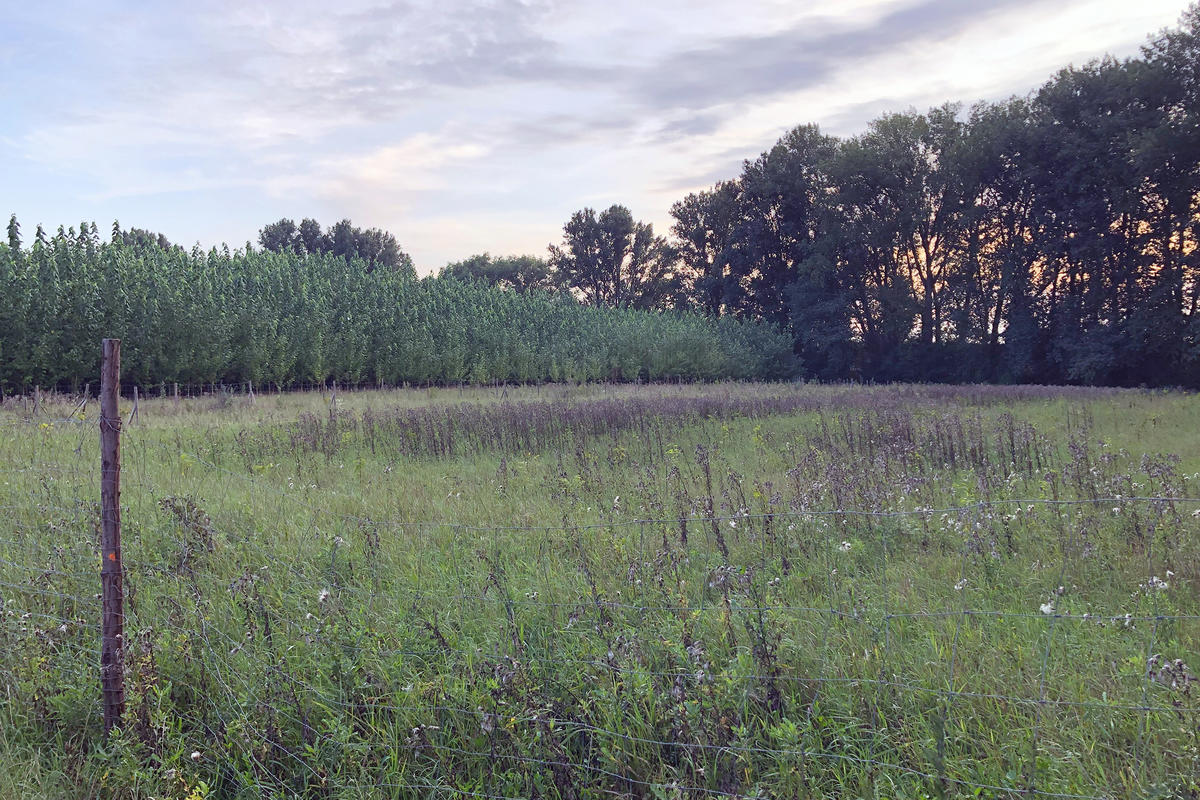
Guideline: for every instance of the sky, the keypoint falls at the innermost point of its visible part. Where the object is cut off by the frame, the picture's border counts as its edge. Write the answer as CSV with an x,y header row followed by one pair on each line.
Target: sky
x,y
464,126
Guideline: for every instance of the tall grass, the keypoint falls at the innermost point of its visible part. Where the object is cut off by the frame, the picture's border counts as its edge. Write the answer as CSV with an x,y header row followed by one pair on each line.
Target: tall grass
x,y
646,592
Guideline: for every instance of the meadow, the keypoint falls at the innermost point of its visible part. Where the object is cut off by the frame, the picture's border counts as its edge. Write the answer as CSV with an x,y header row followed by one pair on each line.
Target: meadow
x,y
725,590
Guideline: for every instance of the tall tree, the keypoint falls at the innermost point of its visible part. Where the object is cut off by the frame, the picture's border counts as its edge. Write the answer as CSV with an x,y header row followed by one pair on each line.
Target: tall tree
x,y
377,248
611,259
781,203
706,233
512,273
14,233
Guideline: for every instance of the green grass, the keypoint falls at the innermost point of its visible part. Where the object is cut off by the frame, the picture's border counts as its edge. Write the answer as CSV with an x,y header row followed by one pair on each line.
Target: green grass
x,y
318,607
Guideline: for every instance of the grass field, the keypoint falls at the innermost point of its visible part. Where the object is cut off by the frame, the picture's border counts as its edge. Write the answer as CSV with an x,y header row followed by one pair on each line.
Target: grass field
x,y
612,591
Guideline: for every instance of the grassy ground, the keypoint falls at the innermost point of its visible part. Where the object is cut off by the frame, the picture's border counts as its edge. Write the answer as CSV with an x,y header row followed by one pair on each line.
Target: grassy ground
x,y
598,591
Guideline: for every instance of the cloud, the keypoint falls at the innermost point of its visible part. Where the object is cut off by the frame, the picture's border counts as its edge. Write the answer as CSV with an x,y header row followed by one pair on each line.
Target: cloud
x,y
470,119
392,175
742,68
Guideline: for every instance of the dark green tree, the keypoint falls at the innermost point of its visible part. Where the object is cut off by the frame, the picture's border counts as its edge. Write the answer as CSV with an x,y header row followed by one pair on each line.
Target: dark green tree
x,y
611,259
512,273
375,247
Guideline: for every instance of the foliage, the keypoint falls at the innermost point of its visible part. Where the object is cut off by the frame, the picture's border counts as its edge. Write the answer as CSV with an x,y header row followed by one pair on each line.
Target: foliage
x,y
287,318
1054,238
373,246
611,259
515,273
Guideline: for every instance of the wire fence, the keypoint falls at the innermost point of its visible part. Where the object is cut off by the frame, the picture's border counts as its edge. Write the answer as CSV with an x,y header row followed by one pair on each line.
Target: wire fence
x,y
991,648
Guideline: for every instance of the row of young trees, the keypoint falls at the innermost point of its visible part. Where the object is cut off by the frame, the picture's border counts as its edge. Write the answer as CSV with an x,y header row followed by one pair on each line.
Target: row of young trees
x,y
289,318
1050,238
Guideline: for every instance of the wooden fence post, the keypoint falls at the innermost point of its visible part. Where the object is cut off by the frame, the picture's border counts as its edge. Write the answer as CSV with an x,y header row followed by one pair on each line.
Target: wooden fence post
x,y
112,644
133,412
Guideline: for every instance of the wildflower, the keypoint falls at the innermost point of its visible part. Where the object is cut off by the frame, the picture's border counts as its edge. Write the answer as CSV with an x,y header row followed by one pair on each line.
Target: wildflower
x,y
1047,608
323,596
195,755
845,547
962,584
733,523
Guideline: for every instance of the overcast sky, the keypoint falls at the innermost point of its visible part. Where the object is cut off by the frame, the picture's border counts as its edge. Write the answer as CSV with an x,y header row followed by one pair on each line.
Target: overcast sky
x,y
471,126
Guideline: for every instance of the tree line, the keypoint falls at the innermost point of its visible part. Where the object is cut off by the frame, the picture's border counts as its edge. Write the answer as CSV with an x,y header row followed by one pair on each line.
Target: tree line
x,y
1051,238
291,318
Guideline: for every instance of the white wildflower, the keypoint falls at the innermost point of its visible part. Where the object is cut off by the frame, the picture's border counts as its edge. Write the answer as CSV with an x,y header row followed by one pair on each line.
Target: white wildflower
x,y
1047,608
195,755
323,596
845,547
961,585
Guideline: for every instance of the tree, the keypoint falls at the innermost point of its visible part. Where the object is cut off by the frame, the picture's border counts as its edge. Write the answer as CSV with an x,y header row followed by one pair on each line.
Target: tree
x,y
781,210
377,248
14,233
139,237
512,273
312,237
279,236
611,259
706,230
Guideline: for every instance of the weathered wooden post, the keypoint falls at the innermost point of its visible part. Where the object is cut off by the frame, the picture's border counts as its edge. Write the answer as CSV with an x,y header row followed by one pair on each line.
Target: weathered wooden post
x,y
133,412
112,644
